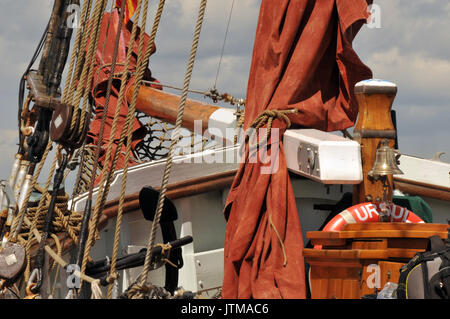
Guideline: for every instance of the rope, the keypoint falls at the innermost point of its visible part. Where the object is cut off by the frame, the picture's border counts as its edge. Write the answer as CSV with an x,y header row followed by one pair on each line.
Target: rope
x,y
137,291
92,223
38,210
86,74
132,107
85,172
279,239
58,249
108,173
268,116
224,42
168,166
96,290
65,220
138,80
55,257
76,52
92,64
16,225
111,278
166,248
104,172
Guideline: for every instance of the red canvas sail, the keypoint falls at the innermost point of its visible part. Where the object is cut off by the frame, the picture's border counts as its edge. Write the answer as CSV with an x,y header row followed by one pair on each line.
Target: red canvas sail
x,y
103,61
302,60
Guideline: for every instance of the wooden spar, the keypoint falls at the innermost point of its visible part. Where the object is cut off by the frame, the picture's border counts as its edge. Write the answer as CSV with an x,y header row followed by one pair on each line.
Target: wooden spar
x,y
374,123
164,106
422,189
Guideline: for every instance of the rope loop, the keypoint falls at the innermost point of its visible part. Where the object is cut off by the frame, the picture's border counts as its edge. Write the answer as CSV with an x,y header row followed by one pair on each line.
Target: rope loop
x,y
112,277
138,291
267,117
165,251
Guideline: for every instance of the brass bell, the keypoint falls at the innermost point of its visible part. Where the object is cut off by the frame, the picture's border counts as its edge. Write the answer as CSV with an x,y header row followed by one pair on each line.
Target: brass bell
x,y
386,160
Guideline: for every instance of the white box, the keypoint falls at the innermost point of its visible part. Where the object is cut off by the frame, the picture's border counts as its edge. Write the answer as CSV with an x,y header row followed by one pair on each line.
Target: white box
x,y
323,157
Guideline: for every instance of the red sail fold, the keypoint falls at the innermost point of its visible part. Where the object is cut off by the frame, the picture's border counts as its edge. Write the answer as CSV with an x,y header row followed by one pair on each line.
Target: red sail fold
x,y
102,71
302,59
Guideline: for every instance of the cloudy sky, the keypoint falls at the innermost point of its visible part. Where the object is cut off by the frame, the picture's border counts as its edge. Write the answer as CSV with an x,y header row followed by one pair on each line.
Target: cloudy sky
x,y
411,48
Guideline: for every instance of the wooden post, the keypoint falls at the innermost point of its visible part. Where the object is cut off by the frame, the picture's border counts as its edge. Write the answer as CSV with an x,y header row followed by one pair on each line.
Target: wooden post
x,y
375,98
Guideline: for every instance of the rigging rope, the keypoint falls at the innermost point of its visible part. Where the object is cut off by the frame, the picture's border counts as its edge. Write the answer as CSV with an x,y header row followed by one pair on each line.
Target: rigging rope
x,y
107,174
93,220
77,89
78,47
224,42
84,84
15,227
139,293
38,212
57,258
142,64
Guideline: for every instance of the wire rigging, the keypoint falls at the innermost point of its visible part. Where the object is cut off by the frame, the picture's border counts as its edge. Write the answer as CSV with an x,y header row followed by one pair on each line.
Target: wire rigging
x,y
223,45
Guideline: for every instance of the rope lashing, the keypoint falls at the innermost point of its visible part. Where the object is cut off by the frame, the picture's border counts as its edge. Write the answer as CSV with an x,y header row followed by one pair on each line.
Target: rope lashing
x,y
137,291
267,117
165,251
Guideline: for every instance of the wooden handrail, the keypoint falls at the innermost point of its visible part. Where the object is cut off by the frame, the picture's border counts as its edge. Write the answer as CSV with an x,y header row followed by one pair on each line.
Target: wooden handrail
x,y
422,189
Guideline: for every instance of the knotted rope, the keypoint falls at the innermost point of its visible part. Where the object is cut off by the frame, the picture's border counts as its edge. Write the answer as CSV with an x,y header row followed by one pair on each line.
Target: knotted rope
x,y
268,116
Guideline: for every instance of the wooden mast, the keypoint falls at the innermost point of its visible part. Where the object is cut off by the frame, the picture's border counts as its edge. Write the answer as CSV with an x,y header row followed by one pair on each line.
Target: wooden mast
x,y
375,98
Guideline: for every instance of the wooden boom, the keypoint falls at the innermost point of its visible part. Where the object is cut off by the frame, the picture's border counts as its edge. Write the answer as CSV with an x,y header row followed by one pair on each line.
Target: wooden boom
x,y
164,105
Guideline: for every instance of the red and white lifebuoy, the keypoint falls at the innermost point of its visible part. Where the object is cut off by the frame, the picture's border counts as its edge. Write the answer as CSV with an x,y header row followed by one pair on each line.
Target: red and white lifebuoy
x,y
367,213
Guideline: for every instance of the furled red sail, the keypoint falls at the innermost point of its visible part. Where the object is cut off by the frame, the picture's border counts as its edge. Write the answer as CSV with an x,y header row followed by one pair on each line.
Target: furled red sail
x,y
302,60
102,71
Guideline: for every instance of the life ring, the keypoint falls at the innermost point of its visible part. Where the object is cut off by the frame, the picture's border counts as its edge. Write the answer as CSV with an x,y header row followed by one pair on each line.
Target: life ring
x,y
369,213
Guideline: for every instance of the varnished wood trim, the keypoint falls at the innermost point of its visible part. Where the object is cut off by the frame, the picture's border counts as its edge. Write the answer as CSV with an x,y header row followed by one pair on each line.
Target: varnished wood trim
x,y
422,189
165,105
